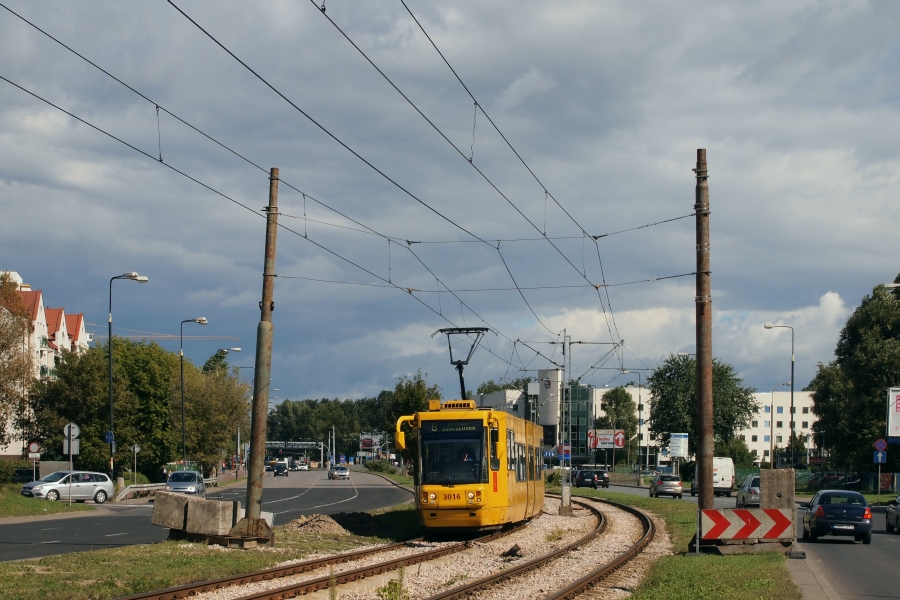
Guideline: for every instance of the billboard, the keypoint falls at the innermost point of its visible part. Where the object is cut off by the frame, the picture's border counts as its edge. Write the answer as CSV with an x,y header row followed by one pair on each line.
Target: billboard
x,y
893,413
369,442
678,445
600,439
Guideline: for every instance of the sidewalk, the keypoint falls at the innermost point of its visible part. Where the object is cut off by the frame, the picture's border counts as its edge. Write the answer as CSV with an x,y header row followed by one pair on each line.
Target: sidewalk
x,y
810,579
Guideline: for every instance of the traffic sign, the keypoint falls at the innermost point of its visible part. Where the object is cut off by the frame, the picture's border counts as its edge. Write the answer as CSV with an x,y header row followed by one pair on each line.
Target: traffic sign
x,y
34,455
880,458
742,524
71,430
135,448
34,447
108,438
880,445
619,440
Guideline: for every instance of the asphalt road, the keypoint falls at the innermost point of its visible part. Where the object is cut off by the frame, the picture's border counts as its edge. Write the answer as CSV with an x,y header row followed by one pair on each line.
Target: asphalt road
x,y
855,571
301,493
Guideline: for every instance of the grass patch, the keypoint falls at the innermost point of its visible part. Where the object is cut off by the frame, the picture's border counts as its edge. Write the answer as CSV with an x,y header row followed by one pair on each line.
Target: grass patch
x,y
116,572
743,577
14,504
401,479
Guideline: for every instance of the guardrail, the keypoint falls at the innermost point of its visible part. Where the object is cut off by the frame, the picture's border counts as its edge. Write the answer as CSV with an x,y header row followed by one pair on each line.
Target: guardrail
x,y
145,490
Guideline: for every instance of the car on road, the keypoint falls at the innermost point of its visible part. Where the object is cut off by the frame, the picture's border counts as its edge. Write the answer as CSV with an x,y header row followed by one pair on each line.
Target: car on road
x,y
303,467
667,485
186,482
892,518
723,477
592,479
748,494
339,472
281,468
85,485
838,513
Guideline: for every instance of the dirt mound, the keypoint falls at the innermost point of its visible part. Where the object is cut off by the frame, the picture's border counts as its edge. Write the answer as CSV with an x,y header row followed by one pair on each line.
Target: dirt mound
x,y
317,524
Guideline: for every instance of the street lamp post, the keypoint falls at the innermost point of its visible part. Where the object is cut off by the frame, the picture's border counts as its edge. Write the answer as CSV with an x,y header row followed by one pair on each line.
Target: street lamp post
x,y
772,428
770,326
110,437
199,321
640,421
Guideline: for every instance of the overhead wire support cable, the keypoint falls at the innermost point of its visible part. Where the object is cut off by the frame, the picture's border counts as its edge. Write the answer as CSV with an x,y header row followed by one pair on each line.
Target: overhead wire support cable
x,y
240,204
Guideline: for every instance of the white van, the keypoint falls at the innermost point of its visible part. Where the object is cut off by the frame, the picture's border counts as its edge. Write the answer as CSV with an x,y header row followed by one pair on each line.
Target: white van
x,y
723,477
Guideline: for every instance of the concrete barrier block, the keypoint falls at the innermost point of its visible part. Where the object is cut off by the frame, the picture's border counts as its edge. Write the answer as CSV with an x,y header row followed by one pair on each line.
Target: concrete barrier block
x,y
170,510
211,517
268,517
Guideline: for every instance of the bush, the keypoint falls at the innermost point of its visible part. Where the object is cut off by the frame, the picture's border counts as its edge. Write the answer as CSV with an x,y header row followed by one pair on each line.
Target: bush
x,y
380,466
8,468
554,478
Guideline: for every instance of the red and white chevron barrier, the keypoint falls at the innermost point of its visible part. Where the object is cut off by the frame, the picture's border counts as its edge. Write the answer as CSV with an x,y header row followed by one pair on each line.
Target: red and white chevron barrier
x,y
746,524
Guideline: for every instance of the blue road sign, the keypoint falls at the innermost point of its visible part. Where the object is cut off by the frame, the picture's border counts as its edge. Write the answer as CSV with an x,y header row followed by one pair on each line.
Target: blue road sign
x,y
108,437
880,457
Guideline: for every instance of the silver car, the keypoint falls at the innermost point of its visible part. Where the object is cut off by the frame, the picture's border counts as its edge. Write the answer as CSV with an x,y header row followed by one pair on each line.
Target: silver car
x,y
748,495
667,485
339,472
85,485
186,482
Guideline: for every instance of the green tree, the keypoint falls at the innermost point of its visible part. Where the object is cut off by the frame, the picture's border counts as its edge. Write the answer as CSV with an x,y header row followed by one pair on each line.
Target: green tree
x,y
738,450
489,387
16,368
216,362
674,407
849,392
620,412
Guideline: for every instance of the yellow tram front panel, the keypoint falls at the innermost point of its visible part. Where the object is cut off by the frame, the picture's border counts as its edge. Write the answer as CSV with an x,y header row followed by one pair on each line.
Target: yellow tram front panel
x,y
474,468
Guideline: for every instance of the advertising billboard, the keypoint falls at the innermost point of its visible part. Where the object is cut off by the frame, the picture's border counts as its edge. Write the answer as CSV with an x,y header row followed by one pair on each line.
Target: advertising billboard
x,y
370,442
893,414
600,439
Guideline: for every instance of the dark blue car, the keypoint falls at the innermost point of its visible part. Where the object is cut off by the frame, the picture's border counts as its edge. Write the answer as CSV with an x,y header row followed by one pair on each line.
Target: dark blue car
x,y
838,513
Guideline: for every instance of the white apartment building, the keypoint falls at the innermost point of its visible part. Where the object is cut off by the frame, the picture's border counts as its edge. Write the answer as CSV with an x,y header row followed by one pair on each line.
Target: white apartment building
x,y
771,425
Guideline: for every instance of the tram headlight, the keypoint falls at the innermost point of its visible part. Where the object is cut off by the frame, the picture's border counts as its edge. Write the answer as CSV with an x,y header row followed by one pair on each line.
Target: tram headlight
x,y
432,497
471,495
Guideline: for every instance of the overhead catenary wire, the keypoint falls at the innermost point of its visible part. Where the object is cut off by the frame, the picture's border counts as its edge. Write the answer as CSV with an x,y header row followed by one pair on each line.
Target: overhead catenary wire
x,y
245,207
351,150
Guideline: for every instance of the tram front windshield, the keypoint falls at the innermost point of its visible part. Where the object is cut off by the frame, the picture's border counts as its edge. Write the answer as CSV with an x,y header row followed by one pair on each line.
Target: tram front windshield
x,y
452,452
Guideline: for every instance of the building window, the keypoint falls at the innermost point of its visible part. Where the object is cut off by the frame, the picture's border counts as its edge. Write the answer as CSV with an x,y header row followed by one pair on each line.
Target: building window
x,y
767,423
768,409
779,423
640,407
515,408
754,424
765,452
793,409
640,437
753,438
780,410
805,424
743,438
777,439
805,410
766,438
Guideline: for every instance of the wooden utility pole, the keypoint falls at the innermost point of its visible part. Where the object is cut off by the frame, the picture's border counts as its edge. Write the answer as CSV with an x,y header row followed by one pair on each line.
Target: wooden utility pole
x,y
252,525
703,303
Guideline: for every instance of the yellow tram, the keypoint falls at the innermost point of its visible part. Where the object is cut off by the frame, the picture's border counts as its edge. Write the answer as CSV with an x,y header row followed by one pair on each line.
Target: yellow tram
x,y
474,468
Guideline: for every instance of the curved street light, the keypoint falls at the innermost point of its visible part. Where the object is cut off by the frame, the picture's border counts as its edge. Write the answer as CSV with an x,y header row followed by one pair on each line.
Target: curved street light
x,y
199,321
110,436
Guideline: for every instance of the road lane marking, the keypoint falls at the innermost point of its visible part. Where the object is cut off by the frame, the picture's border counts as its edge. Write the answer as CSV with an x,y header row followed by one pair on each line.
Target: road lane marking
x,y
115,534
355,494
51,528
53,542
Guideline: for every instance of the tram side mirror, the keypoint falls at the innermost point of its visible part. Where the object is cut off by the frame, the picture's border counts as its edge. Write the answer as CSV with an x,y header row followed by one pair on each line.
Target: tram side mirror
x,y
495,464
400,440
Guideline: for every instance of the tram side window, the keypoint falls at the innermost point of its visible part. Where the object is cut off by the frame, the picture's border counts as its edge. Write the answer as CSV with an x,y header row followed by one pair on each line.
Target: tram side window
x,y
530,463
495,442
510,450
520,456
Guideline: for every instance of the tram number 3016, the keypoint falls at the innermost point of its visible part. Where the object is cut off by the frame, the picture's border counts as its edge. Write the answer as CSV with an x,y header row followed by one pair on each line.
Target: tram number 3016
x,y
452,496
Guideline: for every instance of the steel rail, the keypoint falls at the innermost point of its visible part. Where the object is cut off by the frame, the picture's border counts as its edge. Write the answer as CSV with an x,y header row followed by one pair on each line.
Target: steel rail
x,y
594,577
509,573
190,589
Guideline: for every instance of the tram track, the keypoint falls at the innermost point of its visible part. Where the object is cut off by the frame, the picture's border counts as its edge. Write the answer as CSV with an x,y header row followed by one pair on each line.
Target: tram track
x,y
318,583
582,587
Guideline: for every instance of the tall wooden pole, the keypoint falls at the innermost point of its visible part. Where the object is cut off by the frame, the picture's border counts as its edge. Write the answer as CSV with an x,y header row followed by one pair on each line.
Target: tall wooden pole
x,y
703,302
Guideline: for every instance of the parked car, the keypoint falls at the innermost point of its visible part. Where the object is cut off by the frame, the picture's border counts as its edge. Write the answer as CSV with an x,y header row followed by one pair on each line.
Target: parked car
x,y
281,468
667,485
186,482
892,518
85,485
339,472
592,479
838,513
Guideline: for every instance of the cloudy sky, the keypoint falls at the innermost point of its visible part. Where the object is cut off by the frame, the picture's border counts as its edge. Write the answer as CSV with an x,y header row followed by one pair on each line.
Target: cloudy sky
x,y
606,103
